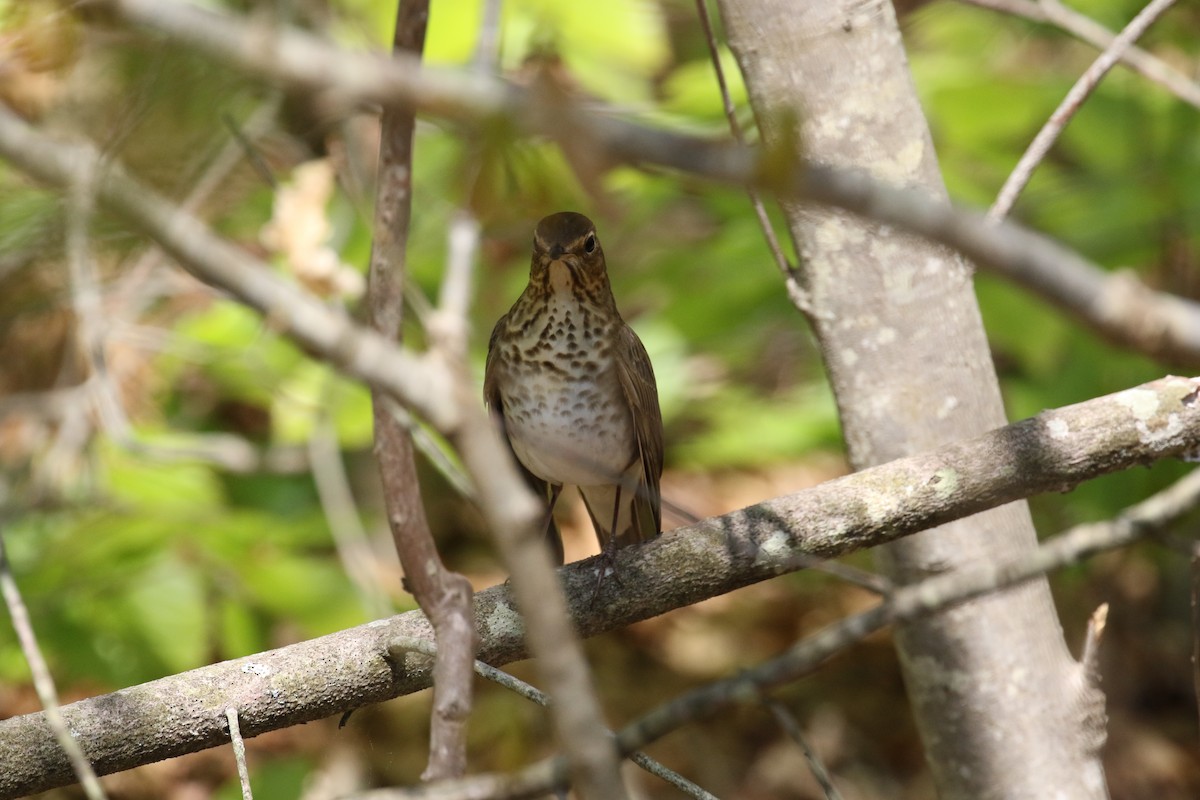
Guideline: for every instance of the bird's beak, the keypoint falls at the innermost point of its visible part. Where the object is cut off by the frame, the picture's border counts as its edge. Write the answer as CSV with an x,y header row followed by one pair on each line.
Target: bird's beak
x,y
556,252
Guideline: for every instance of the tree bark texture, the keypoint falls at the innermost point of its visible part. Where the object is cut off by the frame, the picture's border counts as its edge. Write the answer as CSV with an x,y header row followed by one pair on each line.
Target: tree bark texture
x,y
1000,703
333,674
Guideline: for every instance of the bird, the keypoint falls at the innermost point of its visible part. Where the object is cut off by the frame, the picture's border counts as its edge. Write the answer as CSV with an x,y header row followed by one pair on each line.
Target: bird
x,y
573,390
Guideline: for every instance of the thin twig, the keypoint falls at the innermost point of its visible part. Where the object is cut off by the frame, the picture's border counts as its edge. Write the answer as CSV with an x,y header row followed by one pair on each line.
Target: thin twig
x,y
239,751
449,325
487,47
331,674
1088,30
43,683
1195,572
444,596
790,725
1071,103
514,684
1117,306
341,514
1089,659
907,603
790,275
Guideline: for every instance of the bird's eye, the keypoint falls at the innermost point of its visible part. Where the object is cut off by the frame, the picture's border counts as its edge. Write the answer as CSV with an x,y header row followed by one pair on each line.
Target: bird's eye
x,y
589,244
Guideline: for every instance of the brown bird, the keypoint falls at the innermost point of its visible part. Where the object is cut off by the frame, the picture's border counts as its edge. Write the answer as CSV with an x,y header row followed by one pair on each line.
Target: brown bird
x,y
574,389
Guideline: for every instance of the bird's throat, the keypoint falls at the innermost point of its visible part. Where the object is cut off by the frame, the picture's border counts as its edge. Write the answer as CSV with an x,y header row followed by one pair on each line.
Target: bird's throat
x,y
561,280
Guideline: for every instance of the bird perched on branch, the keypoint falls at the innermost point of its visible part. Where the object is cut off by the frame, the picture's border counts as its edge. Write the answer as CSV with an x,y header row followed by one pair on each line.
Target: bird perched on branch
x,y
575,391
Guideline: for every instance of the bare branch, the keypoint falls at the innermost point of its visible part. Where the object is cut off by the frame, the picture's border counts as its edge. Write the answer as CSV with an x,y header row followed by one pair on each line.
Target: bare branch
x,y
63,741
449,324
790,275
789,723
239,751
421,383
909,602
1118,307
444,596
535,695
923,598
1049,453
1088,30
1195,571
341,514
1083,87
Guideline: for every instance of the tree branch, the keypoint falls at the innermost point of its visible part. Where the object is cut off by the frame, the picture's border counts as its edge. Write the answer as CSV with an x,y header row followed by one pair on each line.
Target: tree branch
x,y
910,602
535,695
1118,307
1078,93
1088,30
421,383
43,683
1051,452
444,596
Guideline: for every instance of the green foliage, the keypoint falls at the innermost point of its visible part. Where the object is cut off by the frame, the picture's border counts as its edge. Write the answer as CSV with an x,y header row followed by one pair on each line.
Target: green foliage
x,y
277,779
168,574
747,430
163,564
1118,185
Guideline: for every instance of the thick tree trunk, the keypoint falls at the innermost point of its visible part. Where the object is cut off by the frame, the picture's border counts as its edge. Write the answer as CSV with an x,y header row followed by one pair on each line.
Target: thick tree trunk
x,y
1003,709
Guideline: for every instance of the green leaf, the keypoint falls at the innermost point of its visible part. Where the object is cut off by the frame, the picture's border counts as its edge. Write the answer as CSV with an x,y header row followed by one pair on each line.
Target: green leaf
x,y
161,487
692,89
166,605
743,430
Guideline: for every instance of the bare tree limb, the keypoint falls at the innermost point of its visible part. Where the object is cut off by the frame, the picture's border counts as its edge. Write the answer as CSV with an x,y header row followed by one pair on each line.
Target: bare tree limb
x,y
535,695
342,516
909,602
1195,573
307,681
791,725
791,277
1119,307
422,383
63,739
1088,30
444,596
1074,100
239,751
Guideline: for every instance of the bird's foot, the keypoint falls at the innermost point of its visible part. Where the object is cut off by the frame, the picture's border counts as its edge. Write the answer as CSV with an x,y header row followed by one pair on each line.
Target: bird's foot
x,y
606,566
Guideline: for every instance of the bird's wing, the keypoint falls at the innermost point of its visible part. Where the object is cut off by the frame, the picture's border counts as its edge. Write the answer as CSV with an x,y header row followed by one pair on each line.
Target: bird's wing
x,y
636,375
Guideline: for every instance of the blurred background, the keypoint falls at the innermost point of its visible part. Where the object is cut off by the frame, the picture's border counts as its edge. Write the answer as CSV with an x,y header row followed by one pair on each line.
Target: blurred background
x,y
211,492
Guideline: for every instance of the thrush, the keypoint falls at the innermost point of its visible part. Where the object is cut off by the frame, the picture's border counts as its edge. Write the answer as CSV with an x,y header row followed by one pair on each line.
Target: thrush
x,y
574,389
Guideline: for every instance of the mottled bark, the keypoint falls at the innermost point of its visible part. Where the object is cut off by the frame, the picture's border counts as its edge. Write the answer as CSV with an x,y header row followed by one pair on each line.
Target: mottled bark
x,y
995,693
332,674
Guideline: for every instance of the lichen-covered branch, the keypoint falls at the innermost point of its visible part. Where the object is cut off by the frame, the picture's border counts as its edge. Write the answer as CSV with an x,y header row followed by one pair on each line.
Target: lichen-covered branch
x,y
1051,452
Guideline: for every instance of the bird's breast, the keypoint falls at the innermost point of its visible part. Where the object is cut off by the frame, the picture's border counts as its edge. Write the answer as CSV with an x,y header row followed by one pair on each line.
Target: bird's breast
x,y
565,414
